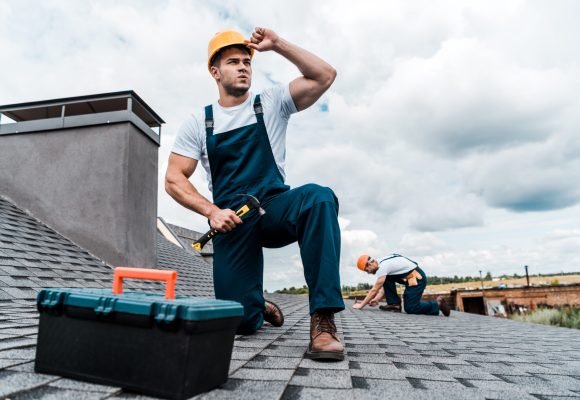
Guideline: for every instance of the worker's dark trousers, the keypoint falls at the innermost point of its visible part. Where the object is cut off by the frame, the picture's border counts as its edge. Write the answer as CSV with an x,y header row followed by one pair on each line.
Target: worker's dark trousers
x,y
411,295
307,214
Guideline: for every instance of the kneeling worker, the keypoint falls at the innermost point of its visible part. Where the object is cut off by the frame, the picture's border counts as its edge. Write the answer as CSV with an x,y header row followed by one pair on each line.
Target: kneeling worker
x,y
393,269
240,141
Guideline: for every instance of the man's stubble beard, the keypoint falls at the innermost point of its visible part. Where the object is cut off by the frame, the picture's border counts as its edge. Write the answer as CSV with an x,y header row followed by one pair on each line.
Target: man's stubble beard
x,y
236,91
232,90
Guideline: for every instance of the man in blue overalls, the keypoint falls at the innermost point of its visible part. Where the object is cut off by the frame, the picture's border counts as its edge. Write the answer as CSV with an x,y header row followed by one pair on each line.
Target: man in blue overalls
x,y
393,269
240,141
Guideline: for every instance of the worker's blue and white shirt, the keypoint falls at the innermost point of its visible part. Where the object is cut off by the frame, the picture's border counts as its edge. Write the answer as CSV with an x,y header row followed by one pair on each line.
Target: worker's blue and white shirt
x,y
277,105
394,264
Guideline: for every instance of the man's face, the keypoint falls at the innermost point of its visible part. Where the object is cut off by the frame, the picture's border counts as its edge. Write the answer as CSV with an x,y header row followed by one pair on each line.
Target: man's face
x,y
234,71
372,266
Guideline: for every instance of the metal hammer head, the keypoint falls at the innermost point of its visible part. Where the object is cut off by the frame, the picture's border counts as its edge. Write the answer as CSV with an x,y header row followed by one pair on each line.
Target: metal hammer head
x,y
253,203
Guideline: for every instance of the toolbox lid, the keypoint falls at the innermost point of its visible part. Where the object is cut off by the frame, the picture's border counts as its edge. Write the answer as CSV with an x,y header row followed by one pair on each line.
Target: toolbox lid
x,y
104,302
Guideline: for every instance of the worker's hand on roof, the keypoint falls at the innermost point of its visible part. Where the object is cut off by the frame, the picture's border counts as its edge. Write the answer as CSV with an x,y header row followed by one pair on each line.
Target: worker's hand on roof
x,y
357,306
263,39
224,220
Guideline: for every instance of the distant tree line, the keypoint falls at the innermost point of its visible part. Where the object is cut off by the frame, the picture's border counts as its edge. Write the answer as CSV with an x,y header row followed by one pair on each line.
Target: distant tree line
x,y
442,280
433,280
293,290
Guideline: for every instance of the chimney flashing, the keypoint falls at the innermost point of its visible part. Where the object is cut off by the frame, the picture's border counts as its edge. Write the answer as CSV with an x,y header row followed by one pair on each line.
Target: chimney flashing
x,y
74,112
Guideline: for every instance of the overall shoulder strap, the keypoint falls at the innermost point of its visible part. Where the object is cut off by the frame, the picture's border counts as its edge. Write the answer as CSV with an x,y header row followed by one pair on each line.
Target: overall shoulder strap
x,y
398,255
389,257
395,256
209,120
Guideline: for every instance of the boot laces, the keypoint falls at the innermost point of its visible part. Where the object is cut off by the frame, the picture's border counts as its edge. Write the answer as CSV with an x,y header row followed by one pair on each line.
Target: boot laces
x,y
326,323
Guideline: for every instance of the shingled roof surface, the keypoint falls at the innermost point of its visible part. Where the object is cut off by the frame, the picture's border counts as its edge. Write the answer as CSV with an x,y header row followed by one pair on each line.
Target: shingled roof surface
x,y
187,237
387,355
33,256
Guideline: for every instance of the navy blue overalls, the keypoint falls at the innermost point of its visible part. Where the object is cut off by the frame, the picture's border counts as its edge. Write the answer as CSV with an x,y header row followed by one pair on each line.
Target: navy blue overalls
x,y
412,294
241,161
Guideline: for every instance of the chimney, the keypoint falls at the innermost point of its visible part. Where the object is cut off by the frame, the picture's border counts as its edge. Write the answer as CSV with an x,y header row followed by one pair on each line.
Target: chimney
x,y
87,167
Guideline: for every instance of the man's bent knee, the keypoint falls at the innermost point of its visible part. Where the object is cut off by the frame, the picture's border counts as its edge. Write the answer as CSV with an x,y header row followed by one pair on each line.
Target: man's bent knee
x,y
320,194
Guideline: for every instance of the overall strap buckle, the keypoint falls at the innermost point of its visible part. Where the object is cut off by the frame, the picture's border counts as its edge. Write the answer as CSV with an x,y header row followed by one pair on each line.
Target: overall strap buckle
x,y
258,105
209,120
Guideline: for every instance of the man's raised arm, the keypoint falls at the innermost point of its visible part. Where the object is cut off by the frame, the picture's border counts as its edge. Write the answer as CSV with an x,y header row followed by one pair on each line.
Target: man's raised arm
x,y
317,74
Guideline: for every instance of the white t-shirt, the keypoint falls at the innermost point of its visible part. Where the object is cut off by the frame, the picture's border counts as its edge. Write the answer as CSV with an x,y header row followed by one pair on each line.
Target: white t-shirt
x,y
277,105
394,266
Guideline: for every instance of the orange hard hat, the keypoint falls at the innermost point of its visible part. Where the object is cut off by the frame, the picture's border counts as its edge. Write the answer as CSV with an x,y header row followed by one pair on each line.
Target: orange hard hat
x,y
224,39
362,261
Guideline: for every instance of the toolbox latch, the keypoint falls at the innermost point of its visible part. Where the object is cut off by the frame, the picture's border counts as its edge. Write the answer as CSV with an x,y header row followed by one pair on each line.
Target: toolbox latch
x,y
51,299
105,305
167,313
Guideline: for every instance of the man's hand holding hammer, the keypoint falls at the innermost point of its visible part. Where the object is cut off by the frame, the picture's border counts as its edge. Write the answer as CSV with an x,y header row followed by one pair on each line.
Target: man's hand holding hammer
x,y
223,220
252,203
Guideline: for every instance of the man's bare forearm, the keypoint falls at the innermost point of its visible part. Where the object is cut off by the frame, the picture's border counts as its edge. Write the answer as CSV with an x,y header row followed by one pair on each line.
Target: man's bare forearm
x,y
369,297
379,295
310,65
182,191
178,186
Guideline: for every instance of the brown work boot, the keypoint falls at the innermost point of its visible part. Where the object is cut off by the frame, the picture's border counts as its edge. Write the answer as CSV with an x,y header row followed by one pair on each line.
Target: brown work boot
x,y
443,306
273,314
391,307
324,342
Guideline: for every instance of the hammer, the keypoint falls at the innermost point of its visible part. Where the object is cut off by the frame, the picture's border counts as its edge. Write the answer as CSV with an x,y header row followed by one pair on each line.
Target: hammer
x,y
251,204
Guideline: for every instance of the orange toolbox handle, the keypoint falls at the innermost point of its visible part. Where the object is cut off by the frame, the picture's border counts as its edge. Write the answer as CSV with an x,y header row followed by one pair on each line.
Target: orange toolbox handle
x,y
148,274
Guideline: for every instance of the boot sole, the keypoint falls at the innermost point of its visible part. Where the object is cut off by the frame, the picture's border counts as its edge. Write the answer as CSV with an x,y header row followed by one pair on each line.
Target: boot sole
x,y
324,355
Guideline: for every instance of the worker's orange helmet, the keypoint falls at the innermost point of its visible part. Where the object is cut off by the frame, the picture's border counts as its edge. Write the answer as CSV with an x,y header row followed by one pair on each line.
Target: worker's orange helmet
x,y
362,261
224,39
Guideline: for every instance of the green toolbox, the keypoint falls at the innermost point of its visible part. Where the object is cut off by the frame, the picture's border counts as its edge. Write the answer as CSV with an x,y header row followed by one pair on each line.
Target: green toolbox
x,y
164,346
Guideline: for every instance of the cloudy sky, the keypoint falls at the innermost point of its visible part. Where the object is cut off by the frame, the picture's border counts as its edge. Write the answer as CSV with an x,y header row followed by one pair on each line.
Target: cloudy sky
x,y
450,134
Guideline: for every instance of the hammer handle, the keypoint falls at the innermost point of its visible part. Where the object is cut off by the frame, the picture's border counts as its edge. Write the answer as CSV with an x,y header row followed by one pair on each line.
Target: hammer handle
x,y
198,245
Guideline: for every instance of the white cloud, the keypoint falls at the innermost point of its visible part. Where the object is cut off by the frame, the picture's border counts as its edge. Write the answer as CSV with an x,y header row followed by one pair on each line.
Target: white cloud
x,y
465,98
534,177
564,242
420,244
447,211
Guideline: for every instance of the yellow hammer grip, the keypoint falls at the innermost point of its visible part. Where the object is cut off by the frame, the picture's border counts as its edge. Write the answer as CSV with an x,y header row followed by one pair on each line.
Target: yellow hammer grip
x,y
242,210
